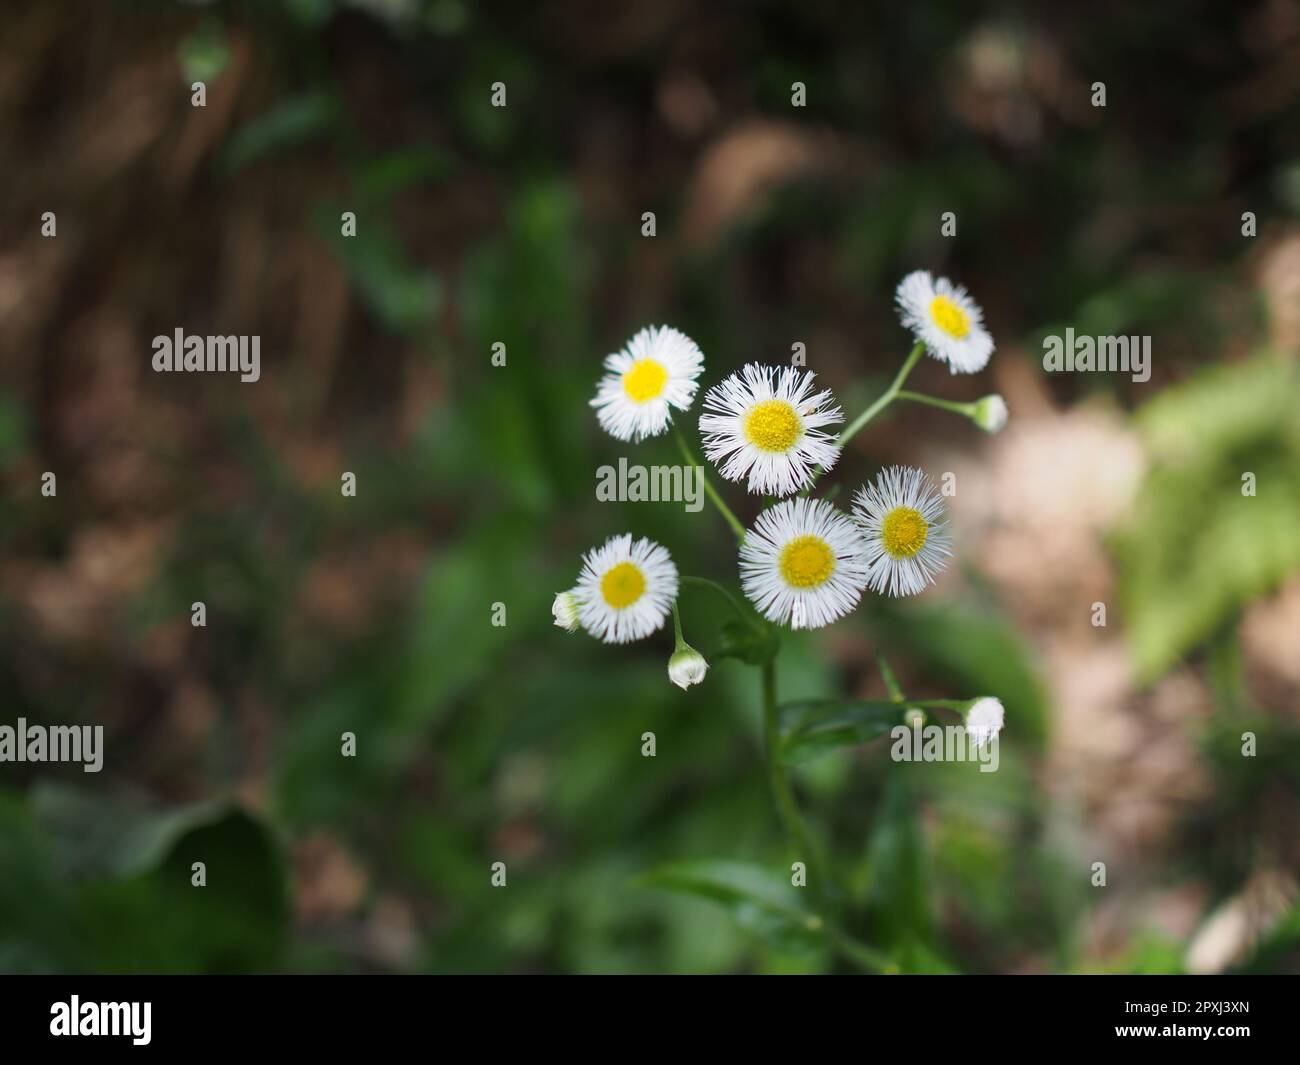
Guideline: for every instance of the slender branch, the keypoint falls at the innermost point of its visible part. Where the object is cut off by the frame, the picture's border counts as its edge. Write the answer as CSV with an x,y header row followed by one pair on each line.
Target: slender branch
x,y
966,409
741,612
891,681
858,953
885,398
779,779
882,401
677,627
709,490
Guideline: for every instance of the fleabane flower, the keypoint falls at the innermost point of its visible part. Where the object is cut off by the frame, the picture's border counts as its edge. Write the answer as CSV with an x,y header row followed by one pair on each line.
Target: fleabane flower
x,y
768,424
656,371
686,666
990,413
984,720
944,318
626,589
803,564
901,517
565,610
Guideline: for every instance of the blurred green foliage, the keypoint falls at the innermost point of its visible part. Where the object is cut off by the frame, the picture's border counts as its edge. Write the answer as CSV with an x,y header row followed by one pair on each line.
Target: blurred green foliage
x,y
480,226
1217,521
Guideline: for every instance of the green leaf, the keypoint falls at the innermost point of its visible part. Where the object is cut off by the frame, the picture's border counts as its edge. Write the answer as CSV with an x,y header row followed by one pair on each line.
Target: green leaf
x,y
289,124
760,899
1196,550
813,727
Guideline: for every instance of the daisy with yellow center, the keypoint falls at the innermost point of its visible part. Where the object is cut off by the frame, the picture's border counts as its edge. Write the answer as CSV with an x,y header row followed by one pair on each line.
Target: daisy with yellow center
x,y
767,424
902,521
944,318
803,564
626,589
656,372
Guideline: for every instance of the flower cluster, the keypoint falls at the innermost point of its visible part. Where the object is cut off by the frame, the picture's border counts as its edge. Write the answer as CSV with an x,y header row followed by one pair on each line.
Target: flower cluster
x,y
804,562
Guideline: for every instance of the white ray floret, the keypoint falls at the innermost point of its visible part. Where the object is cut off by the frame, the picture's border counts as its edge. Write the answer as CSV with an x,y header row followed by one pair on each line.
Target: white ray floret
x,y
902,518
655,373
626,589
767,424
944,318
803,564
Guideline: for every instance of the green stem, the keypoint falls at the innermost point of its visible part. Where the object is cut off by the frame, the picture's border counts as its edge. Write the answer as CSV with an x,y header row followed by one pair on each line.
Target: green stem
x,y
967,409
677,628
858,953
709,490
885,398
782,793
741,612
882,401
891,681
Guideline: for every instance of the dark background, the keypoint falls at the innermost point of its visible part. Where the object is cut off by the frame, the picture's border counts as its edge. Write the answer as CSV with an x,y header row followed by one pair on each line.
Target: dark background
x,y
522,225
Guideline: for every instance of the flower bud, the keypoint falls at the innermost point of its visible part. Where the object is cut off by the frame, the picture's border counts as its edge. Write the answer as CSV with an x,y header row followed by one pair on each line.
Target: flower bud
x,y
984,720
990,413
687,666
565,611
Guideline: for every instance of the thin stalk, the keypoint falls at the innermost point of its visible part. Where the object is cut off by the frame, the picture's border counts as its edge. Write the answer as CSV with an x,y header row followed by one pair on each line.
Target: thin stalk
x,y
882,401
709,490
885,399
891,681
967,409
858,953
704,582
779,780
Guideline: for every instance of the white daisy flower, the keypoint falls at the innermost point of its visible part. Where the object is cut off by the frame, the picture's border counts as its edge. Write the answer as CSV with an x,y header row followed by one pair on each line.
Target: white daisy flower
x,y
687,666
984,720
626,589
565,610
656,371
944,318
767,423
803,564
901,517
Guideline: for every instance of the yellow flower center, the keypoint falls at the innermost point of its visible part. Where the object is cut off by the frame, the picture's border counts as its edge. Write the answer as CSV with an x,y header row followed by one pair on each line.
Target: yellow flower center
x,y
949,317
807,561
644,381
773,426
903,532
622,585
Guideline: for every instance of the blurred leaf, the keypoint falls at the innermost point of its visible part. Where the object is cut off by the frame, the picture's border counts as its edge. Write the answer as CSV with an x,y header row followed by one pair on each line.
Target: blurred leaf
x,y
401,294
92,836
1195,549
759,899
157,921
204,53
817,726
289,124
90,885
